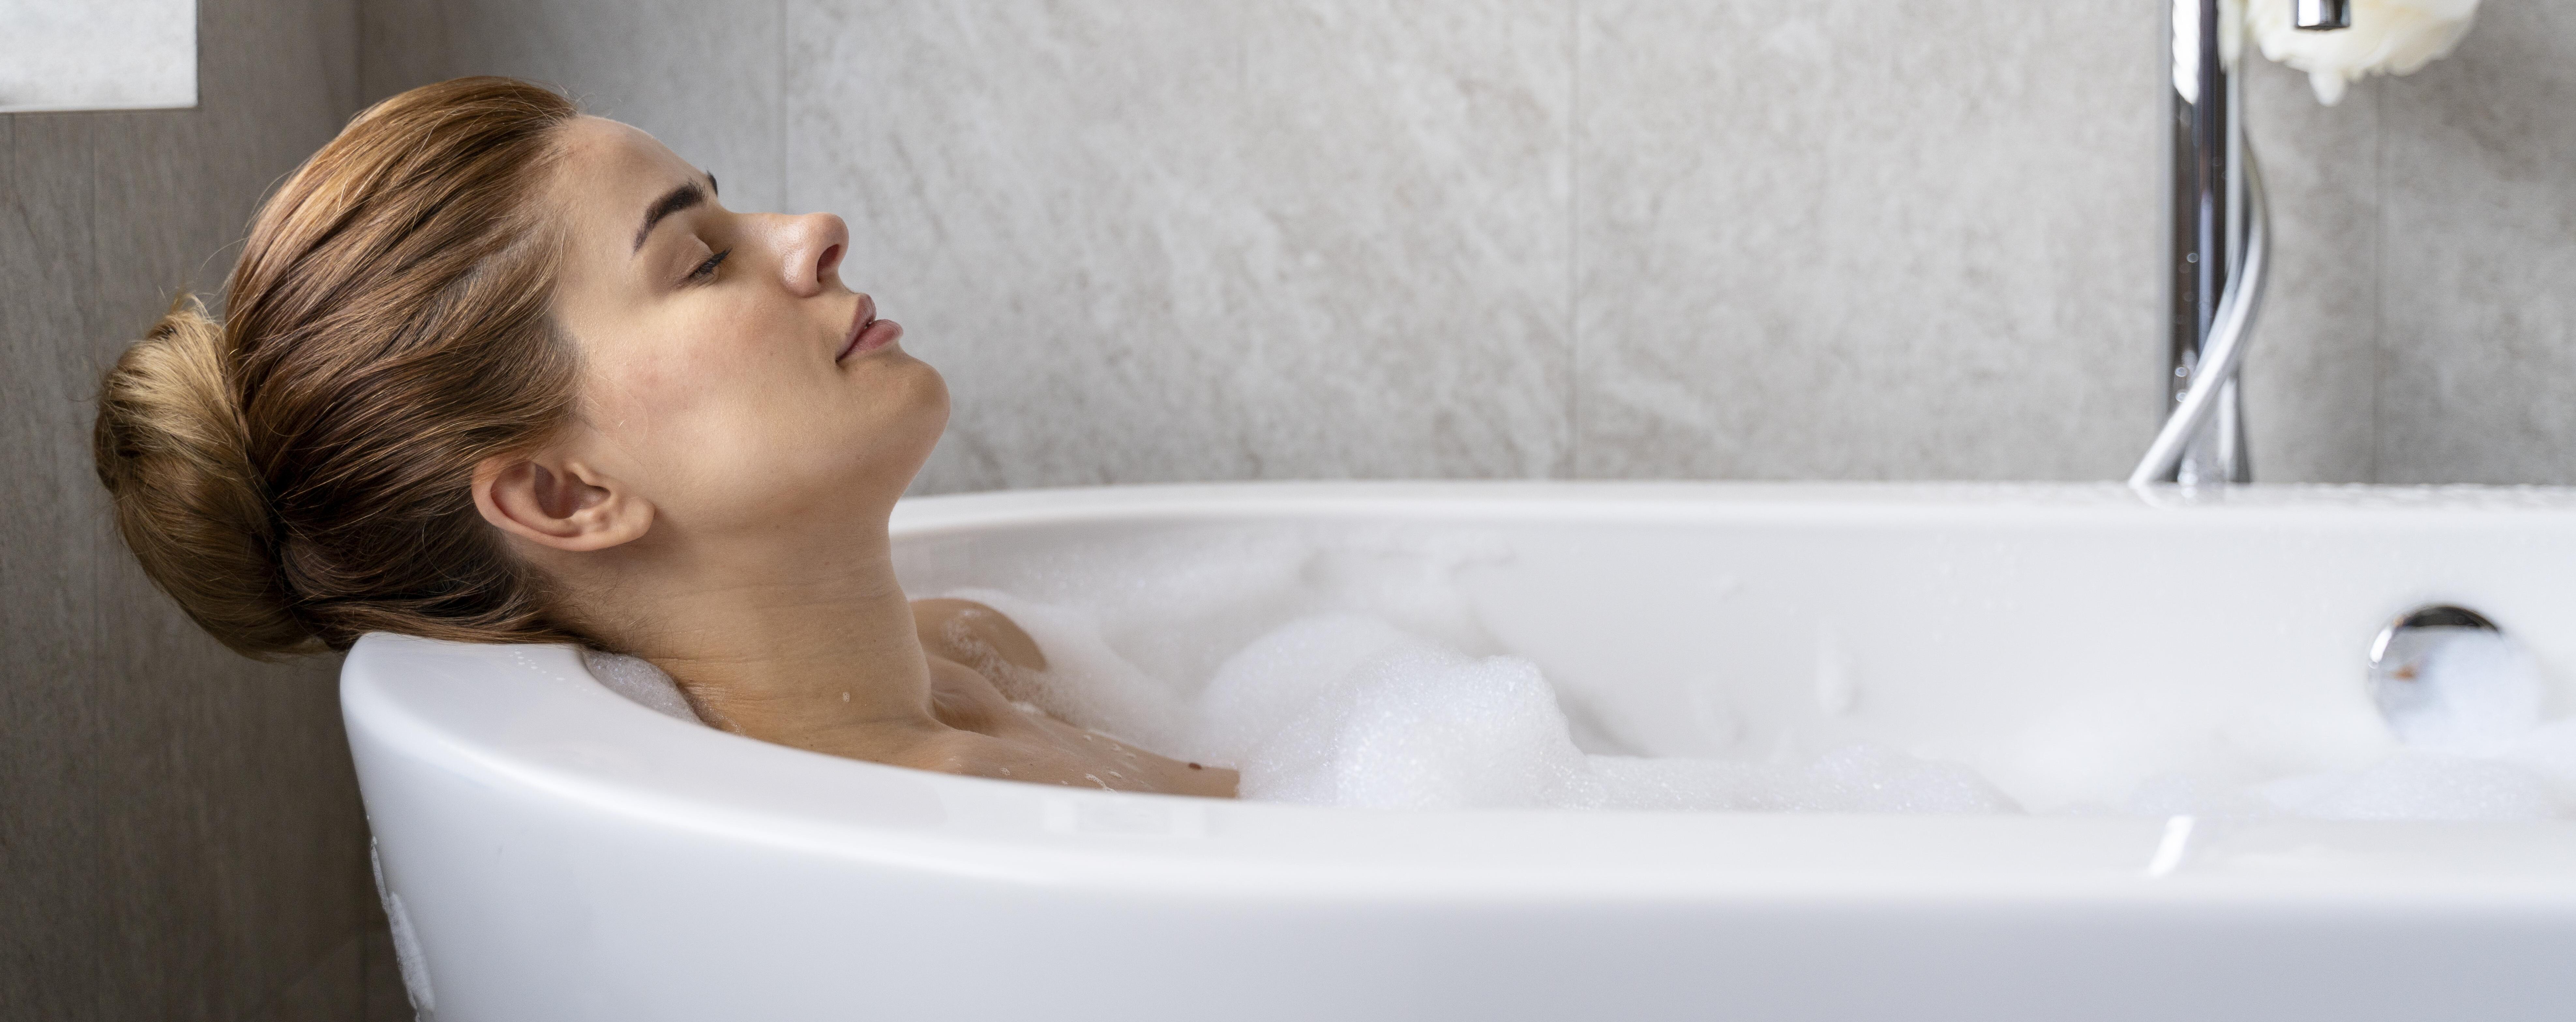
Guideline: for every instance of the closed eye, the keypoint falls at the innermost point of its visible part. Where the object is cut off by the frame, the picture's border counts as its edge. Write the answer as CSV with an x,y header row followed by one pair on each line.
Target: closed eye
x,y
706,271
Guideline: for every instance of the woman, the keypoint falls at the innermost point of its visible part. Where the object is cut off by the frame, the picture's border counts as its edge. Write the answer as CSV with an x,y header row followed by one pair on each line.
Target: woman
x,y
496,371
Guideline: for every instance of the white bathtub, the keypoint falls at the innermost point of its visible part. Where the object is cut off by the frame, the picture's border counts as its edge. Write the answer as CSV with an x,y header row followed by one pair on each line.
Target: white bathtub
x,y
555,852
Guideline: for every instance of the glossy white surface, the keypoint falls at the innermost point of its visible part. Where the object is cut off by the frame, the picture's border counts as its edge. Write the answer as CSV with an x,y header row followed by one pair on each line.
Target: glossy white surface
x,y
562,853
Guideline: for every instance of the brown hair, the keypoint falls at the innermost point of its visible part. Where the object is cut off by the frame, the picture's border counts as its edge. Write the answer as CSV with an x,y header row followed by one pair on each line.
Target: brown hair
x,y
300,474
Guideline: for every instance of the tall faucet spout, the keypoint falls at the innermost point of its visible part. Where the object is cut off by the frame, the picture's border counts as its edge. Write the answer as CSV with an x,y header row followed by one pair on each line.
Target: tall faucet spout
x,y
2208,232
2216,267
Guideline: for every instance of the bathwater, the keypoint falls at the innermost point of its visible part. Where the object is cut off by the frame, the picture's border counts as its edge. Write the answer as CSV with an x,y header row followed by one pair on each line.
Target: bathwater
x,y
1357,672
1354,669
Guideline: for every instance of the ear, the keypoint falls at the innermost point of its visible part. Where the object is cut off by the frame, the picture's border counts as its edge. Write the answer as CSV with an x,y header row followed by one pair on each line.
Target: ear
x,y
558,503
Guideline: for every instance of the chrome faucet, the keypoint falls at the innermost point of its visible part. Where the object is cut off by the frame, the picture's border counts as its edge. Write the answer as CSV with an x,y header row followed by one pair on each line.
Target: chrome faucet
x,y
2321,15
2221,233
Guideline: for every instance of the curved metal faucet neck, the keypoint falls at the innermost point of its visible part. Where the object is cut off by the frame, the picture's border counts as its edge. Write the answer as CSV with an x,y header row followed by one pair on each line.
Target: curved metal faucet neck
x,y
2219,246
2208,232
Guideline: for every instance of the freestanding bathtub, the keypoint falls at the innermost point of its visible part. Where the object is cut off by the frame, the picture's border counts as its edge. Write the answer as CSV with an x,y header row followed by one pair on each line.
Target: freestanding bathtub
x,y
552,851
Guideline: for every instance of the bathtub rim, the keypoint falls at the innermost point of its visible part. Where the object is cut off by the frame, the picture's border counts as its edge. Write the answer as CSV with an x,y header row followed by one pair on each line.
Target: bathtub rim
x,y
561,735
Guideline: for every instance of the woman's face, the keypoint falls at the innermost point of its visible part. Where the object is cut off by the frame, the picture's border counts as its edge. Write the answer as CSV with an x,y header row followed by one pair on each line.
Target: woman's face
x,y
729,377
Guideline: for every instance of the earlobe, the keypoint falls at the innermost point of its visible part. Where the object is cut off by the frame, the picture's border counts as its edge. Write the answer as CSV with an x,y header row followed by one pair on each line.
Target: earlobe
x,y
564,505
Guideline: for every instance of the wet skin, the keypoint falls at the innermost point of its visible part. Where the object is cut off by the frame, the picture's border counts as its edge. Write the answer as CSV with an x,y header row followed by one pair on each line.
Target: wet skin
x,y
719,504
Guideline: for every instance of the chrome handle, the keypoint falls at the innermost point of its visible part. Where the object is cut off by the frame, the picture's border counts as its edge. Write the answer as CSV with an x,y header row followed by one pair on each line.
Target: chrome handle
x,y
2321,15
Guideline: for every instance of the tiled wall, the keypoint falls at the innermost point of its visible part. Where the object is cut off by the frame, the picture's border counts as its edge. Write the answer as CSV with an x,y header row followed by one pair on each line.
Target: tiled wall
x,y
1179,240
180,836
1595,238
2478,256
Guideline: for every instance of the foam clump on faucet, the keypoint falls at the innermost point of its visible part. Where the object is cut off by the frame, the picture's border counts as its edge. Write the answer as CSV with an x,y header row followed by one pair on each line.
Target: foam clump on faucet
x,y
2393,37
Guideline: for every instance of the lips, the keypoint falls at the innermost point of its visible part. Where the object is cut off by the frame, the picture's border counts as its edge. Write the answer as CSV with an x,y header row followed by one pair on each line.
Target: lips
x,y
867,332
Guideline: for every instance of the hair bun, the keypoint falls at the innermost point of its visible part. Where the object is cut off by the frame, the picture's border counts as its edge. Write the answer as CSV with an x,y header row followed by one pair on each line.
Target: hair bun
x,y
174,454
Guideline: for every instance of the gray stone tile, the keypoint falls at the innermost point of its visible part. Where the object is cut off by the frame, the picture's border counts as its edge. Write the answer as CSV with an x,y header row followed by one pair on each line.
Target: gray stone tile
x,y
1206,241
2478,343
48,592
178,188
235,766
1865,240
184,822
2311,377
332,990
701,76
381,973
401,43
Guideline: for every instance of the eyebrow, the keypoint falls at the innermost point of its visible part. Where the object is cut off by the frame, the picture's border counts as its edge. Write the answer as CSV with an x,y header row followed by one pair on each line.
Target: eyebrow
x,y
673,201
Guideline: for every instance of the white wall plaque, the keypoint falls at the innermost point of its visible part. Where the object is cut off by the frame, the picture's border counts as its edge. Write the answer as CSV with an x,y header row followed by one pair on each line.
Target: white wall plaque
x,y
97,54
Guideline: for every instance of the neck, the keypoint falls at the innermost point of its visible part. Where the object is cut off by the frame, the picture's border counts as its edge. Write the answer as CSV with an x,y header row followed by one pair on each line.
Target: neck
x,y
780,641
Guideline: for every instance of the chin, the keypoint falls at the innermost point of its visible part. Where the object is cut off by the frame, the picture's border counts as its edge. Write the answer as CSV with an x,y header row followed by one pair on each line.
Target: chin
x,y
920,418
925,396
935,398
902,408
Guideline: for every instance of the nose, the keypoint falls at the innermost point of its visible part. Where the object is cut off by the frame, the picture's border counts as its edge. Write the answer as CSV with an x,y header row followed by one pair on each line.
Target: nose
x,y
810,251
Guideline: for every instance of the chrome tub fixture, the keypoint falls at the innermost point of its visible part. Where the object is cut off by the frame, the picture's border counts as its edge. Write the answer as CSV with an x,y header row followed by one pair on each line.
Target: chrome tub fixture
x,y
2219,240
2321,15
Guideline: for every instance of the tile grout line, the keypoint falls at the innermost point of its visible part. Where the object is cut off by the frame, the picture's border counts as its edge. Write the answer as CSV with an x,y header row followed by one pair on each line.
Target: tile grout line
x,y
2378,273
1574,240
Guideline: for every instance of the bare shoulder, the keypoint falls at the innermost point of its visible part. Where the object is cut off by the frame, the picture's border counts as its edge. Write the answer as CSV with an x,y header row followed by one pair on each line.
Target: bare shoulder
x,y
973,634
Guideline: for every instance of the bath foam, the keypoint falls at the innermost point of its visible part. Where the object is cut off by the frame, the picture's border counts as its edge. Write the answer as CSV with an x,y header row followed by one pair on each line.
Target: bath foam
x,y
2471,748
1349,710
2474,746
2418,784
640,682
2477,693
1357,673
1086,684
1353,709
1177,607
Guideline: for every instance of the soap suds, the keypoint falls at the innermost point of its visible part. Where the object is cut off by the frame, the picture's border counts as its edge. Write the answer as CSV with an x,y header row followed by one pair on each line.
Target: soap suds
x,y
1357,673
2472,692
1348,710
2392,37
640,682
1382,690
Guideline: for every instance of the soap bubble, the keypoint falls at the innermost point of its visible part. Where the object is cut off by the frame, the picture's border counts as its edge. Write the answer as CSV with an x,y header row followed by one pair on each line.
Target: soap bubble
x,y
2463,690
1355,672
